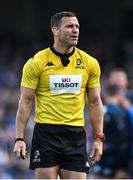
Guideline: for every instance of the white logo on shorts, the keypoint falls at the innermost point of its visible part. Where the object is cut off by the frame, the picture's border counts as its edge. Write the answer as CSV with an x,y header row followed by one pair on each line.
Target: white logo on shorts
x,y
36,156
87,164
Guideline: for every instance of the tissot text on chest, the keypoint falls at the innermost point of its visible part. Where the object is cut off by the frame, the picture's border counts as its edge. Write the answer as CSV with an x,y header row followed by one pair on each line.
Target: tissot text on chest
x,y
66,84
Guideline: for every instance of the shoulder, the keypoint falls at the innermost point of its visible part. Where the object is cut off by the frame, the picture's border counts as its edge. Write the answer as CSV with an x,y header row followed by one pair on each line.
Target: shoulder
x,y
42,54
90,62
38,59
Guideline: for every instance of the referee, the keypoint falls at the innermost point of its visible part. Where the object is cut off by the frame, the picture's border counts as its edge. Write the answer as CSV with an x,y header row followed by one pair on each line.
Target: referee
x,y
58,78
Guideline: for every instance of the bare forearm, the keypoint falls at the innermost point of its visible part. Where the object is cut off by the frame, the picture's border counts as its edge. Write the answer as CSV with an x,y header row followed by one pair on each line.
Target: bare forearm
x,y
22,117
96,116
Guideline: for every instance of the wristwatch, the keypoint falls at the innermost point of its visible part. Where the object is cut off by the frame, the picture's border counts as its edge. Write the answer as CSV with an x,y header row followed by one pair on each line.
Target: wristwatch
x,y
100,136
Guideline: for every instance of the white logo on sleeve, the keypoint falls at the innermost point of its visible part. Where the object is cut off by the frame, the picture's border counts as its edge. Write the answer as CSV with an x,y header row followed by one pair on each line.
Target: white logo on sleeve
x,y
65,84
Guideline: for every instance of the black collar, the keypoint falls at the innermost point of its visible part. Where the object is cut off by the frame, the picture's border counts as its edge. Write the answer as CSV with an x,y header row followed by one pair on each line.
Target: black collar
x,y
61,54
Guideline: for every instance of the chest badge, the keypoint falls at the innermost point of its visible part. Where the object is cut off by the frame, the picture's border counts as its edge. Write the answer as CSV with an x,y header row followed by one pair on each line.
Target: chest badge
x,y
79,64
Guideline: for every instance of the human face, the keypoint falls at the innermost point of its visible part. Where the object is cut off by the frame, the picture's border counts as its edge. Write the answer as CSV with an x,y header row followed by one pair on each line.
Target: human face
x,y
68,31
119,78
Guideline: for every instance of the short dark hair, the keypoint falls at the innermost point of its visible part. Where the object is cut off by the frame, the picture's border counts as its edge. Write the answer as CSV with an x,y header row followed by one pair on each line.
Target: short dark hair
x,y
56,18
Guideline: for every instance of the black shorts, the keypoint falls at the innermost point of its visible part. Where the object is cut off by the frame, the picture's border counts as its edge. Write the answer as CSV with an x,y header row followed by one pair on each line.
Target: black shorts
x,y
59,145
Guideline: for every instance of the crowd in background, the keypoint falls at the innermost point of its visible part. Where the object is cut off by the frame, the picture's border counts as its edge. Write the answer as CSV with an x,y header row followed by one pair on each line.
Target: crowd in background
x,y
117,96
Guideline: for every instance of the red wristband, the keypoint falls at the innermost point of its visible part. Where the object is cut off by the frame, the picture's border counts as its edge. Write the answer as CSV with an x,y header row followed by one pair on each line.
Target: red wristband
x,y
100,136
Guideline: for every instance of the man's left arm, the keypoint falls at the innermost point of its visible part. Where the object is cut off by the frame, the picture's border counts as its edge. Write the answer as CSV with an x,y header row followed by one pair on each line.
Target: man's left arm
x,y
95,109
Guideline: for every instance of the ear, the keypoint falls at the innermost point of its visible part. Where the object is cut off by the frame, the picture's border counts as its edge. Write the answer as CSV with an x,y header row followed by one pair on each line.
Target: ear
x,y
55,31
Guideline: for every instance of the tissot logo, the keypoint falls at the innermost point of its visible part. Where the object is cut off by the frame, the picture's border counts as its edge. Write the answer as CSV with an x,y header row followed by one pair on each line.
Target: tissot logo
x,y
79,64
50,63
65,84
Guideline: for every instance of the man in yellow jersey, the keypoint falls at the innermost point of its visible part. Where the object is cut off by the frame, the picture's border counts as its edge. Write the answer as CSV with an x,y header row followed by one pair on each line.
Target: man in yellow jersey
x,y
59,77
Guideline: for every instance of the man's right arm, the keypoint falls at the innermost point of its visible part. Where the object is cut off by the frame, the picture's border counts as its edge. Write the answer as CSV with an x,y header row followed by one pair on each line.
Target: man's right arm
x,y
22,117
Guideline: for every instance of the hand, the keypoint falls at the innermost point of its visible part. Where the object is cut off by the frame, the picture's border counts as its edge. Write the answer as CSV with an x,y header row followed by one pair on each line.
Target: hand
x,y
125,103
20,149
97,150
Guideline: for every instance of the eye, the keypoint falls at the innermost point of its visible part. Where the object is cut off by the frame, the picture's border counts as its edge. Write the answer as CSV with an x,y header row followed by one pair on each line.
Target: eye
x,y
77,26
72,26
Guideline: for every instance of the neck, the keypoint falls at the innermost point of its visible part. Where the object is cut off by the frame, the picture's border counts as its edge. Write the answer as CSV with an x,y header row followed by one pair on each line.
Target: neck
x,y
62,48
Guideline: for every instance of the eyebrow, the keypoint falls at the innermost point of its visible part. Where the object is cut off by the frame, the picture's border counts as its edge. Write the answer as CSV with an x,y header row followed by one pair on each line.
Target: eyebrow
x,y
77,25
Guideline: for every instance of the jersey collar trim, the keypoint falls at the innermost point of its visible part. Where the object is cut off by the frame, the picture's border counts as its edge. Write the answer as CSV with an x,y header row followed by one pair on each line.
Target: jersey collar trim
x,y
60,54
